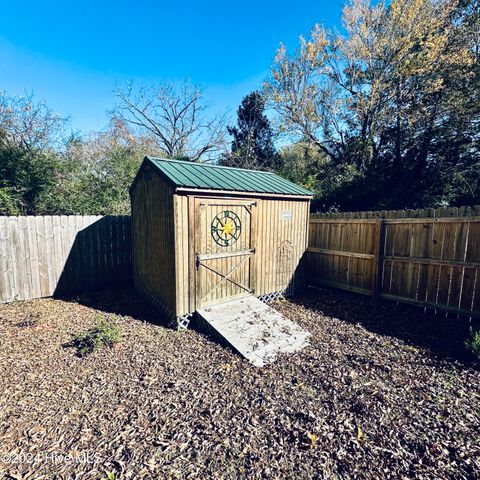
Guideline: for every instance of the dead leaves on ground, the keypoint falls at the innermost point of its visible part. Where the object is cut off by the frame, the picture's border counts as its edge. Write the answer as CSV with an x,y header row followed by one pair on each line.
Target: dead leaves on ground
x,y
363,401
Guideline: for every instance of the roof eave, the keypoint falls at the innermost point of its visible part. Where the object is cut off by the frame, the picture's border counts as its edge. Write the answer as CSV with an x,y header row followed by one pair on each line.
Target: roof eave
x,y
293,196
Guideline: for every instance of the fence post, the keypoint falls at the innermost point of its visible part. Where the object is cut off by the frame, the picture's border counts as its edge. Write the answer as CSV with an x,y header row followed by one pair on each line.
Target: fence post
x,y
378,259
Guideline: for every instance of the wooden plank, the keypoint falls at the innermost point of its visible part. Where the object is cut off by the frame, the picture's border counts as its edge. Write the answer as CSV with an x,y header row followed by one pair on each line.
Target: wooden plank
x,y
10,225
81,273
57,254
72,259
433,305
90,235
23,258
66,259
126,258
432,261
342,221
475,303
3,263
7,290
392,221
253,329
50,253
340,253
107,243
377,264
252,267
422,283
179,254
87,269
191,253
473,248
112,251
84,270
197,239
34,266
462,254
16,258
455,287
101,233
93,235
443,285
235,193
42,257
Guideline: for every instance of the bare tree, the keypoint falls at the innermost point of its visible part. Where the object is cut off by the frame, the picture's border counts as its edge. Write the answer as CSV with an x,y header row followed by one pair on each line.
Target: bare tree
x,y
176,117
27,123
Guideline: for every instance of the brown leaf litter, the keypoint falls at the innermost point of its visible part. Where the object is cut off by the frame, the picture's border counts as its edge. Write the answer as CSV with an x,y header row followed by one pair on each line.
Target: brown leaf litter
x,y
383,391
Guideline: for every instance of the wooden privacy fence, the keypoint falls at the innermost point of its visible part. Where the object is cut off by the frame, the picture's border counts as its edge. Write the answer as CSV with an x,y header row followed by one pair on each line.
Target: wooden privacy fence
x,y
425,257
429,257
46,255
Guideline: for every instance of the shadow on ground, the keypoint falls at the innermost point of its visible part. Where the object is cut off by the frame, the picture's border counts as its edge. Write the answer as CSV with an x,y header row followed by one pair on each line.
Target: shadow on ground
x,y
121,301
443,335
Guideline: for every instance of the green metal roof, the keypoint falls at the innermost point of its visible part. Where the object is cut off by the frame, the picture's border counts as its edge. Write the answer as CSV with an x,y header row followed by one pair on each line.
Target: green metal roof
x,y
214,177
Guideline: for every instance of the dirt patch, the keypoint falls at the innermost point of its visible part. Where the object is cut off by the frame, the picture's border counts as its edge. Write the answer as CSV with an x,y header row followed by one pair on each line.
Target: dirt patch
x,y
378,394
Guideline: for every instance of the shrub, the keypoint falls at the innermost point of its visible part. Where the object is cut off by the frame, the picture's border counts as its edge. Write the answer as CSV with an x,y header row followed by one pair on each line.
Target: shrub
x,y
473,343
104,333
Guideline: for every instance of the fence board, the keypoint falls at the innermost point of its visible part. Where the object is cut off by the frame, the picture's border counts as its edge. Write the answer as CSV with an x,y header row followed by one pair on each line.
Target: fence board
x,y
32,249
426,257
47,255
6,278
42,257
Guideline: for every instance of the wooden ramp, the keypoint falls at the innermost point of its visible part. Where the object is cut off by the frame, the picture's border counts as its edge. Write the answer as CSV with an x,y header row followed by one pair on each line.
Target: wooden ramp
x,y
253,329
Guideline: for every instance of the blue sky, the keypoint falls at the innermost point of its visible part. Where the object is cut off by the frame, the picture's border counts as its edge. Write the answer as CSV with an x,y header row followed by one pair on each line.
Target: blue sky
x,y
73,54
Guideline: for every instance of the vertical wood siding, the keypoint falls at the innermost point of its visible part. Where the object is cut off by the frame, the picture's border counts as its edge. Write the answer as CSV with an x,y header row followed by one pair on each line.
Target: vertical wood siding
x,y
281,243
41,256
211,284
279,235
153,235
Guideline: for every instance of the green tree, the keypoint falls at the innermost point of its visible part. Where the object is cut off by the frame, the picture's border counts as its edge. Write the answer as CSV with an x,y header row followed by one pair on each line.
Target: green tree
x,y
252,145
41,173
28,160
27,177
97,172
302,163
393,102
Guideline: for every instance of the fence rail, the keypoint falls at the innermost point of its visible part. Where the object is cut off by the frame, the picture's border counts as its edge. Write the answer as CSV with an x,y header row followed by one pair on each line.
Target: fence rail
x,y
430,259
46,255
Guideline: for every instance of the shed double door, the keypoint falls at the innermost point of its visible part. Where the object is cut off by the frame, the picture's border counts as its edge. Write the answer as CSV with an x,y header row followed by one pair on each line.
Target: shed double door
x,y
224,250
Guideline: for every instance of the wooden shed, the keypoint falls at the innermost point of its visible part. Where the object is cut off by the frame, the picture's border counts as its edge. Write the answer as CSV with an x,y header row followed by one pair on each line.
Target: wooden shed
x,y
205,234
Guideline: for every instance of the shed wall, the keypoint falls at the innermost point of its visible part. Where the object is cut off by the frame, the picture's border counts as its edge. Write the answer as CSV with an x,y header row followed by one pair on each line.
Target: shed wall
x,y
153,237
281,240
